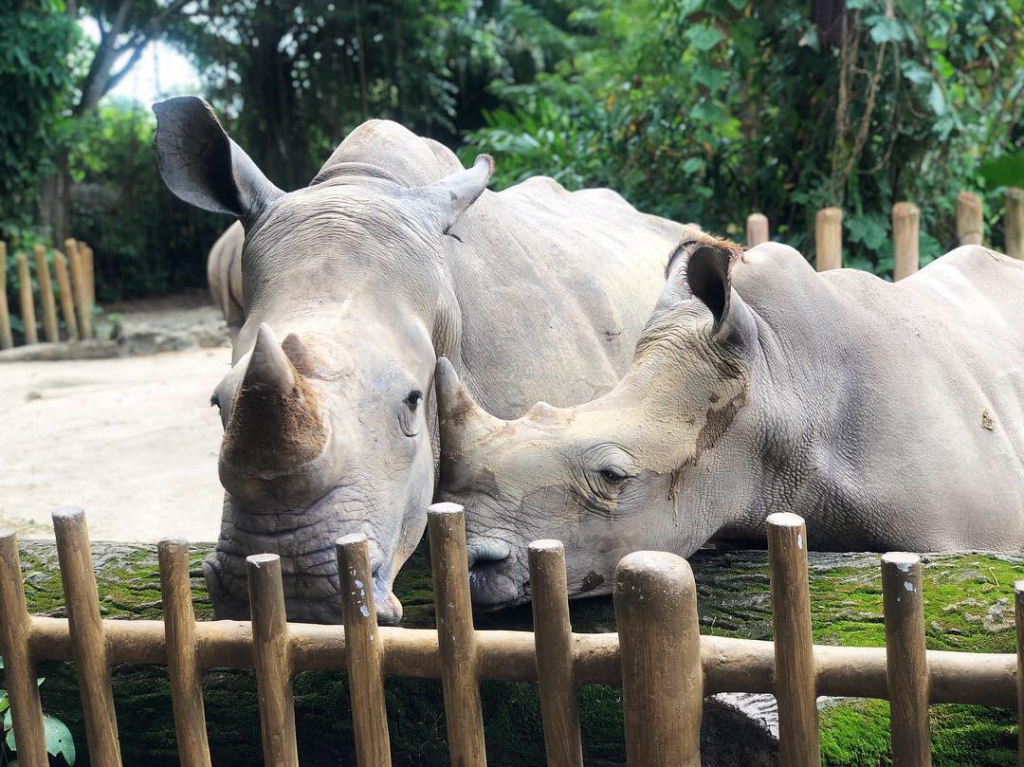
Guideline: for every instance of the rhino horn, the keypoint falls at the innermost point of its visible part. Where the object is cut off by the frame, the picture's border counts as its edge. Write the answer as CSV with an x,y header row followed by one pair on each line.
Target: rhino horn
x,y
276,424
462,421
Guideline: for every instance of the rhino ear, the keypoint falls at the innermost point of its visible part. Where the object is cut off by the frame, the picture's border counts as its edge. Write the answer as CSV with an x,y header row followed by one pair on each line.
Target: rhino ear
x,y
461,189
203,166
708,275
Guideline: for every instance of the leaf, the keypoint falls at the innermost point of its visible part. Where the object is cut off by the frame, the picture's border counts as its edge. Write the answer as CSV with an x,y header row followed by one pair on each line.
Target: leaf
x,y
885,29
58,739
937,100
693,165
704,38
1004,171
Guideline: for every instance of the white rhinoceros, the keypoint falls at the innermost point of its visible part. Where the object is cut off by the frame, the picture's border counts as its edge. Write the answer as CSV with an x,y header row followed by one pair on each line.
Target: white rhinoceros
x,y
351,289
224,276
888,416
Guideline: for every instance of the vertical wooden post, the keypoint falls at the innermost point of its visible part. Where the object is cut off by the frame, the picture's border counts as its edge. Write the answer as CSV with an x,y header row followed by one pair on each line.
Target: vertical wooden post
x,y
1018,594
905,660
364,653
446,528
67,300
795,672
89,272
6,337
828,239
81,292
19,666
970,221
182,663
46,302
28,307
1014,222
906,228
88,646
659,643
552,636
757,229
273,661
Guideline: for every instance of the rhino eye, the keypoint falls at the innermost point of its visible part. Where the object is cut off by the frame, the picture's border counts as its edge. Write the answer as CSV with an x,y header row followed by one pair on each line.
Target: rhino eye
x,y
215,400
414,398
613,476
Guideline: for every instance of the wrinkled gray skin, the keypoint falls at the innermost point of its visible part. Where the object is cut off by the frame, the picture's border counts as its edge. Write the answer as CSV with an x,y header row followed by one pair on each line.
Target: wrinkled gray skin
x,y
351,289
889,416
224,276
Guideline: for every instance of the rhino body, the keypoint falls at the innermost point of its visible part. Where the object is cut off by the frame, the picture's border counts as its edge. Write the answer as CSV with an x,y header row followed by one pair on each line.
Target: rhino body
x,y
224,276
353,286
889,416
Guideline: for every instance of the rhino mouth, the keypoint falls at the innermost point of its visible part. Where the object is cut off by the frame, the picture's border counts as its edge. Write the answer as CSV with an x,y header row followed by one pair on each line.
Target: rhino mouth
x,y
497,579
305,541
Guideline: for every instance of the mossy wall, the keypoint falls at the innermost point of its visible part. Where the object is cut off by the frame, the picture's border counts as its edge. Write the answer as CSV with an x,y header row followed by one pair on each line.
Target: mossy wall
x,y
968,607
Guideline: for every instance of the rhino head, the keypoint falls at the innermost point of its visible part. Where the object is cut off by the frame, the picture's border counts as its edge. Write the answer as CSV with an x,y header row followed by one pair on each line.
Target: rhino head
x,y
327,409
631,470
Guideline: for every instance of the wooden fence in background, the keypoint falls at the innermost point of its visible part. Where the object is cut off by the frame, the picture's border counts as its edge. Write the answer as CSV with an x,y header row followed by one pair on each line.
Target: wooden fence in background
x,y
663,665
75,288
906,225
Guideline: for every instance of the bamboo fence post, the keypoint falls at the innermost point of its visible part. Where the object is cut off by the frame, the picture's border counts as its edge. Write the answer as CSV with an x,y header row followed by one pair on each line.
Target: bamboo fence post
x,y
554,643
795,671
273,663
1018,593
456,639
1014,224
28,307
906,228
19,665
81,292
757,229
182,662
659,644
970,221
67,298
906,660
364,653
46,302
87,641
828,239
89,272
6,337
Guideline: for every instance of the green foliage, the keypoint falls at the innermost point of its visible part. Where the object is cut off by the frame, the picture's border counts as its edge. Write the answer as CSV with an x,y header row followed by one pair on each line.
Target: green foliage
x,y
146,242
36,39
58,738
706,110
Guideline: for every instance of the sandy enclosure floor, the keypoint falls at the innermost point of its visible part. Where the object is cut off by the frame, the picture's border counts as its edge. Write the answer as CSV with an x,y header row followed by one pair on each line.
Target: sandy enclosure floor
x,y
134,441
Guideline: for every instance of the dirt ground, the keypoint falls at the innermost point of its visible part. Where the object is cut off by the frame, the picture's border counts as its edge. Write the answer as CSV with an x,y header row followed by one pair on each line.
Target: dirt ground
x,y
133,440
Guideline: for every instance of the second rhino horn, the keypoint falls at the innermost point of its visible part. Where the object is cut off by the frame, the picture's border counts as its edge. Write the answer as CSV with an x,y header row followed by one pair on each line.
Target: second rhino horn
x,y
461,420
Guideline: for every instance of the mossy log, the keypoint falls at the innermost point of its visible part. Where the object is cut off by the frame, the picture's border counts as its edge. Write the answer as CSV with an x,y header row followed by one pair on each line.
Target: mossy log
x,y
968,607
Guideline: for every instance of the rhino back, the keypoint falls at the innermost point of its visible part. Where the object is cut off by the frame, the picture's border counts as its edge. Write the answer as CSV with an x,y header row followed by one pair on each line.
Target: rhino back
x,y
554,288
905,398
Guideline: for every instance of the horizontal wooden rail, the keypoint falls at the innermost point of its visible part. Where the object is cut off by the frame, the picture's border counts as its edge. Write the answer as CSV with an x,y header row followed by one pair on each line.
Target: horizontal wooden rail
x,y
730,665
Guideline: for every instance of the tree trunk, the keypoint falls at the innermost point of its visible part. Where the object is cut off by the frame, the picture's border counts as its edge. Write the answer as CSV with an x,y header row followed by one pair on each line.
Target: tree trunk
x,y
55,201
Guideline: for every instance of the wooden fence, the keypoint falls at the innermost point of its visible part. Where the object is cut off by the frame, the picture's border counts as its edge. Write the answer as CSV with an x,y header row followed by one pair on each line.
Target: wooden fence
x,y
663,665
75,288
906,225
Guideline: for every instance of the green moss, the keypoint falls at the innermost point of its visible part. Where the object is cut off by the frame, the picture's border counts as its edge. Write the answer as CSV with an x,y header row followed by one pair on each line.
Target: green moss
x,y
967,607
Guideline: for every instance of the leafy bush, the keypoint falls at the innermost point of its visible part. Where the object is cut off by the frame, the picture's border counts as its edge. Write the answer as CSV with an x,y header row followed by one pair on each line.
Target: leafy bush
x,y
707,110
